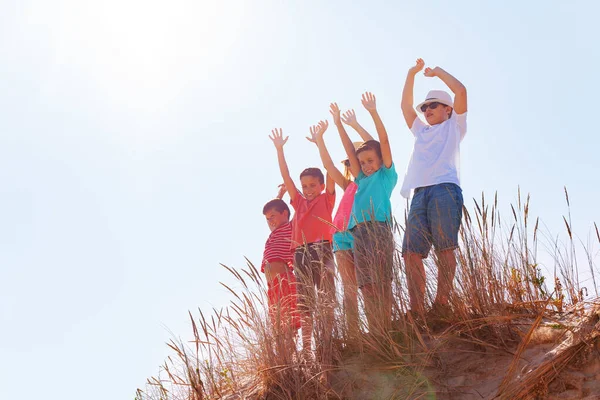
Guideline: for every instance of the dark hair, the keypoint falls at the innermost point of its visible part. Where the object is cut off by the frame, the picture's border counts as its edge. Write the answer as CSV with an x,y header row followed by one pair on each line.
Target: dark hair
x,y
370,145
277,205
314,172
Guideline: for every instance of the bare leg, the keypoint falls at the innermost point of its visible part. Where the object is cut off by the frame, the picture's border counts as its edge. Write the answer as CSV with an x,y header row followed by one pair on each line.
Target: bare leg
x,y
282,304
306,322
305,286
326,292
415,277
386,304
446,272
378,307
374,255
368,292
325,319
306,299
345,262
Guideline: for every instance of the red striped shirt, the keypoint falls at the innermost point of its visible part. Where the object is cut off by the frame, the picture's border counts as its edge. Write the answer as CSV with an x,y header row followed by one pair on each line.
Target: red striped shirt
x,y
277,247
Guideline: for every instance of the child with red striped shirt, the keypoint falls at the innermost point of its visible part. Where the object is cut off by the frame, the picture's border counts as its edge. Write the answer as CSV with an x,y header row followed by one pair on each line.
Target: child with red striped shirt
x,y
277,267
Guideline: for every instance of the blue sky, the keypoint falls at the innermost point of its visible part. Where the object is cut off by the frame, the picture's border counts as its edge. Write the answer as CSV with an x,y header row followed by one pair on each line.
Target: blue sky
x,y
134,150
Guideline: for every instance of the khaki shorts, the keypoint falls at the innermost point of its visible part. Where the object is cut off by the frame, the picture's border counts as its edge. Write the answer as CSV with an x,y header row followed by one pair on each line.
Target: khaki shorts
x,y
373,252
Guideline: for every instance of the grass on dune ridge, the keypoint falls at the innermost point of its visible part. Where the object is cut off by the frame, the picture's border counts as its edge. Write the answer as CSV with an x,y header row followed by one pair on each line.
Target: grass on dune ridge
x,y
499,280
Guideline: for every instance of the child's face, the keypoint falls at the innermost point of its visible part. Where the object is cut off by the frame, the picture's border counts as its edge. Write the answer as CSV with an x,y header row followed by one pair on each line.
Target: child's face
x,y
438,114
370,162
311,187
275,219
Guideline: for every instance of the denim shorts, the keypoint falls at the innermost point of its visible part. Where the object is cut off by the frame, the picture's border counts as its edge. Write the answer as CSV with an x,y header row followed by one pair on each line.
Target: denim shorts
x,y
343,241
373,252
434,219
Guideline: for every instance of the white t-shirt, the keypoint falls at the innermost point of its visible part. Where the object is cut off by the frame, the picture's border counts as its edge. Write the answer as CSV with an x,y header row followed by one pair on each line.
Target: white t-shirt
x,y
436,154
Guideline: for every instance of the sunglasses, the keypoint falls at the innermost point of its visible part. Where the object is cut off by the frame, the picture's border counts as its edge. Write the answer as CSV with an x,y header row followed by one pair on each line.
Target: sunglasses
x,y
433,105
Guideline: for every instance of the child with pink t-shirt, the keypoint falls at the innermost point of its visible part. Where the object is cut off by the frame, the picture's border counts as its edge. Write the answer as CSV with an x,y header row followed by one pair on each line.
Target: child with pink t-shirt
x,y
277,265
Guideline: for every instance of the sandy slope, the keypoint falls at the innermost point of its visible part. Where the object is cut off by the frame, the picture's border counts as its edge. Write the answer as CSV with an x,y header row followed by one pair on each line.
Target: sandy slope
x,y
561,360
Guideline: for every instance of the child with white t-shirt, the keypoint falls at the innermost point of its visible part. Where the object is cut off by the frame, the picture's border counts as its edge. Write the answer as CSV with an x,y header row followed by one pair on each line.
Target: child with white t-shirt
x,y
433,173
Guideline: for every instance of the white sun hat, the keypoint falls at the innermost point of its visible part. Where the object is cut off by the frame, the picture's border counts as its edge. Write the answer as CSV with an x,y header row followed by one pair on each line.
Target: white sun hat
x,y
437,95
356,146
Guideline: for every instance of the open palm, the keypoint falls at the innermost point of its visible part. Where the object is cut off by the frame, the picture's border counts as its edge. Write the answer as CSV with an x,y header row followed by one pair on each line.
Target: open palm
x,y
335,112
277,138
369,101
349,117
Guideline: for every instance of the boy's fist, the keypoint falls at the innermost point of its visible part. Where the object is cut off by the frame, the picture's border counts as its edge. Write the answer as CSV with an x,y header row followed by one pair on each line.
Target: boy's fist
x,y
368,101
418,66
277,138
430,72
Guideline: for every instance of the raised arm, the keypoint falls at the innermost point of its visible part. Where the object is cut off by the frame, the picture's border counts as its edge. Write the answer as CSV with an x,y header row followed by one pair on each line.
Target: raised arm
x,y
329,184
279,142
316,136
459,90
349,118
369,102
348,146
407,105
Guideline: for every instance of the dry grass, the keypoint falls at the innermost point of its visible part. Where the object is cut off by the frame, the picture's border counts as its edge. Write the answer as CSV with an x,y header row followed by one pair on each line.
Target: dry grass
x,y
235,353
534,381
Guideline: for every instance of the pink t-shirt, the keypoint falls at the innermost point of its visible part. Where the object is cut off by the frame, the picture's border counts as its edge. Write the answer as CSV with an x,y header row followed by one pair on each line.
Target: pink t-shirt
x,y
342,216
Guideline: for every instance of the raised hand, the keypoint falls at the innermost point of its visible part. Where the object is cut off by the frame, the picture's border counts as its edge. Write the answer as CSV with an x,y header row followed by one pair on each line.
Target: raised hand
x,y
430,72
313,134
335,112
349,118
282,190
278,139
323,125
368,101
317,131
418,66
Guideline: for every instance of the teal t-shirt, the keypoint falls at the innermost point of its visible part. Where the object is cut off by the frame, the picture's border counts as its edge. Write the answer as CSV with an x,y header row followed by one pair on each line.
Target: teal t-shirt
x,y
373,196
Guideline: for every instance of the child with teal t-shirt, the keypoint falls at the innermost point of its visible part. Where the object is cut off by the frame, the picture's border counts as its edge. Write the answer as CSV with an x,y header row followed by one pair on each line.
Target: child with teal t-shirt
x,y
371,220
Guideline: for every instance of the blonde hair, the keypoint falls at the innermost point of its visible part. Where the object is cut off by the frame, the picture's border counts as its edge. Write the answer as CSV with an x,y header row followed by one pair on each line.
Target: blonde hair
x,y
347,173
